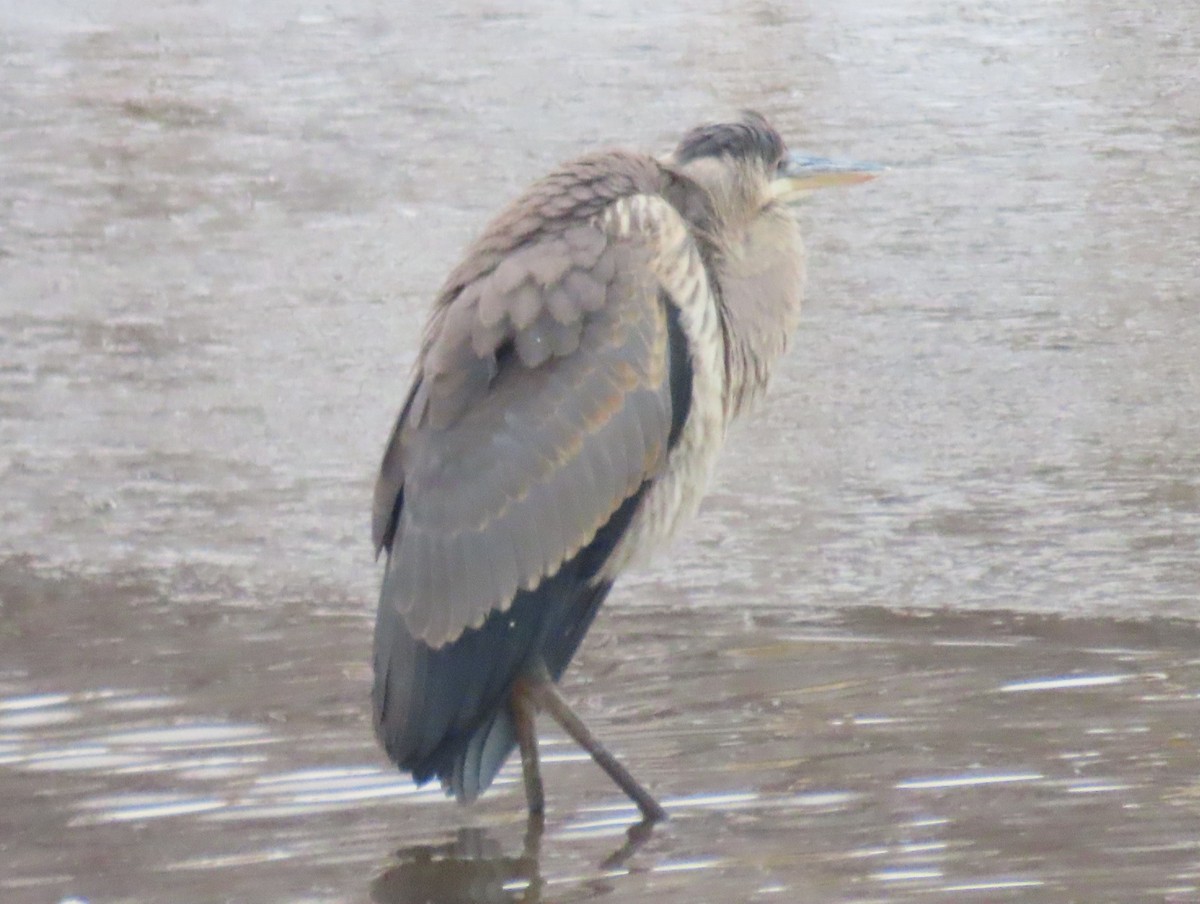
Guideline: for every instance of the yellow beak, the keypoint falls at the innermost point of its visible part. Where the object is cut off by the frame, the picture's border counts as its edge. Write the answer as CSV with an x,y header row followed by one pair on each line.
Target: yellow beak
x,y
800,174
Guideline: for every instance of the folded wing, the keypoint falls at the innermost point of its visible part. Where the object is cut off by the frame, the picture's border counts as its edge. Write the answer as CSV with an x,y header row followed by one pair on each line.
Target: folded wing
x,y
543,401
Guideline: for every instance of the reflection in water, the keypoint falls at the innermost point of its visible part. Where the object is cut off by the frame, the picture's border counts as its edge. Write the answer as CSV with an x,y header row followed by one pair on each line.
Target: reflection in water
x,y
218,769
474,868
471,869
635,836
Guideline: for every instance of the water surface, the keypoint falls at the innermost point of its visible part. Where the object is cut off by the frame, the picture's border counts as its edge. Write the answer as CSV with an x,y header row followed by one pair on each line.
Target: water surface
x,y
933,634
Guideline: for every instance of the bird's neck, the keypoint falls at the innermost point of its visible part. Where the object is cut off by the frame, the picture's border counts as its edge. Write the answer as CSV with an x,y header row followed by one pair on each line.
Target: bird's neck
x,y
762,284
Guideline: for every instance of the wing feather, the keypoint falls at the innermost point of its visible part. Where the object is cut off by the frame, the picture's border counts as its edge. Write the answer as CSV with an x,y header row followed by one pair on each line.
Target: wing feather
x,y
544,403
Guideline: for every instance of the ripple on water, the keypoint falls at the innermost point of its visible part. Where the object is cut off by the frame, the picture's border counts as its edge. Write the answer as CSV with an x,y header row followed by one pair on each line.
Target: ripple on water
x,y
141,807
1066,682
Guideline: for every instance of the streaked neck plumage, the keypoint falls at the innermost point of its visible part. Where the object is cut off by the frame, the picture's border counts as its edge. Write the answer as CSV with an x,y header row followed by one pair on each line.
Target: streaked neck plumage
x,y
752,248
760,281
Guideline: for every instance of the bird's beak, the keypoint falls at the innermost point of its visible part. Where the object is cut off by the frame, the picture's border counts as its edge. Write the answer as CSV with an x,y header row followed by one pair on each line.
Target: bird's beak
x,y
800,174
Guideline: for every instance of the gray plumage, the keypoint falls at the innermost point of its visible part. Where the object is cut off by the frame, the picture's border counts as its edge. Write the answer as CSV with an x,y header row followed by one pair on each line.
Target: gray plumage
x,y
572,389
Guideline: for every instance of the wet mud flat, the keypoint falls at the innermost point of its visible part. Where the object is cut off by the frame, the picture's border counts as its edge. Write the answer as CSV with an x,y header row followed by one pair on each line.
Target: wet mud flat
x,y
863,755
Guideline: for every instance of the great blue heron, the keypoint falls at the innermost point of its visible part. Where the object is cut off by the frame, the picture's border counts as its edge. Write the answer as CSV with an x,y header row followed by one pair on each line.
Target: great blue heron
x,y
573,387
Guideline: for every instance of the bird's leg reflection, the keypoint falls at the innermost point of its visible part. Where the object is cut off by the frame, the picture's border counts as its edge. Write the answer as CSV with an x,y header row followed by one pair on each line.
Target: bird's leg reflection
x,y
471,868
635,836
535,828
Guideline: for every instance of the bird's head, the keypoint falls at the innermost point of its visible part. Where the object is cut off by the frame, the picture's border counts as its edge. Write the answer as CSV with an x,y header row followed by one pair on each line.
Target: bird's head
x,y
745,166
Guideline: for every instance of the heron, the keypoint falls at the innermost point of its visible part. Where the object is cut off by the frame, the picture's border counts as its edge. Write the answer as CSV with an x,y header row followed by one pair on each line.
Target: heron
x,y
575,381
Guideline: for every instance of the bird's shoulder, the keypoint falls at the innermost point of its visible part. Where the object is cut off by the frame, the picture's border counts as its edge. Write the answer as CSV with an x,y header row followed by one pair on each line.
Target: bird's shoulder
x,y
582,187
576,242
572,195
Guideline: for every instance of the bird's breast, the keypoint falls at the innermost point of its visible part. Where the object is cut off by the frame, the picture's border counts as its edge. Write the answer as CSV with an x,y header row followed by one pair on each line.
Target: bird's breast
x,y
674,493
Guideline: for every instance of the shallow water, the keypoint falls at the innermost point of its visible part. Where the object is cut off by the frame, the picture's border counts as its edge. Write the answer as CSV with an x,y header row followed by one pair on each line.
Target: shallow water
x,y
933,635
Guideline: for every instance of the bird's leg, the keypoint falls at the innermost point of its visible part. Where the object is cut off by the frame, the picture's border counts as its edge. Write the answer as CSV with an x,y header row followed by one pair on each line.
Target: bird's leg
x,y
544,692
635,836
524,708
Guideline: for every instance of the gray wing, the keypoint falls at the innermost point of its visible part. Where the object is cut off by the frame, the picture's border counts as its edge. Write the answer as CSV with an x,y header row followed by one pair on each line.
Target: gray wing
x,y
542,402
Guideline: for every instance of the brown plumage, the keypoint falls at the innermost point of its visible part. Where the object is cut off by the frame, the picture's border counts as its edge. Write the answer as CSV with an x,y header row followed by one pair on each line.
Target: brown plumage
x,y
573,386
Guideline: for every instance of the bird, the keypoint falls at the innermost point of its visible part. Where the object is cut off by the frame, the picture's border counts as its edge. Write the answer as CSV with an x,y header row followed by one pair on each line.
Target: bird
x,y
574,383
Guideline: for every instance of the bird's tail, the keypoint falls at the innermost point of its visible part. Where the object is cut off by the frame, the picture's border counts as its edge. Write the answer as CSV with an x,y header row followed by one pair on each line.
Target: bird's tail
x,y
435,713
445,712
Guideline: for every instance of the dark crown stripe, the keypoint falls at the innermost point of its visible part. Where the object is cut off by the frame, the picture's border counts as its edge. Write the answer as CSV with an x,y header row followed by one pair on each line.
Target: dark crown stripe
x,y
750,136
